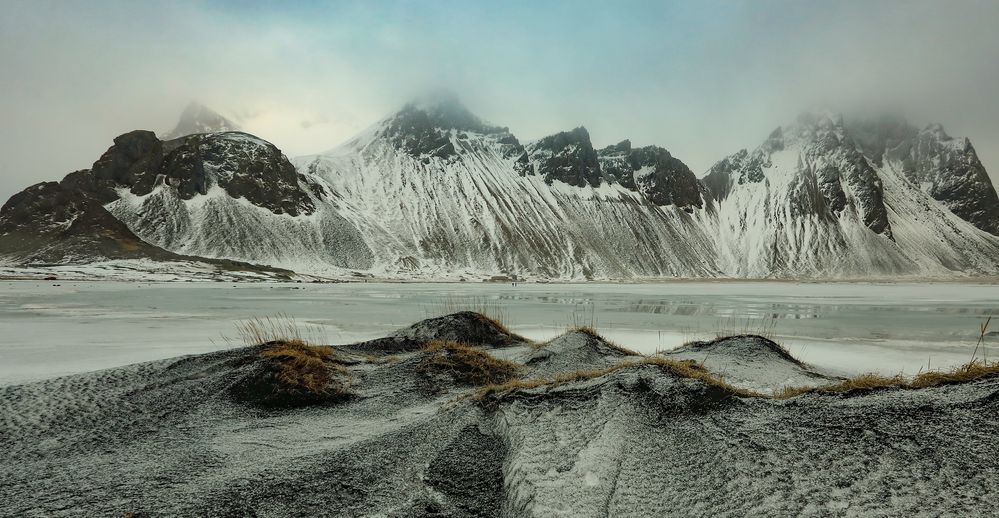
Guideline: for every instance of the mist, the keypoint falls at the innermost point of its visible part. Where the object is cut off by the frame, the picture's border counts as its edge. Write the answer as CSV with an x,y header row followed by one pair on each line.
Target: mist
x,y
702,79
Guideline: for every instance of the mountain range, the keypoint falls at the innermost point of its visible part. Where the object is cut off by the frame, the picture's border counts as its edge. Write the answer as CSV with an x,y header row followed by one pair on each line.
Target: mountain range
x,y
434,192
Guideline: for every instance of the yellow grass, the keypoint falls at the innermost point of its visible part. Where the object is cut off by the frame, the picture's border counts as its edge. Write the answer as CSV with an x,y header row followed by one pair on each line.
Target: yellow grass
x,y
306,368
467,364
262,330
973,370
682,369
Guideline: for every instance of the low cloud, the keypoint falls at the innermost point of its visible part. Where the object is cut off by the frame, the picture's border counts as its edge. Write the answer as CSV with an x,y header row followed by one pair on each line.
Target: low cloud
x,y
702,79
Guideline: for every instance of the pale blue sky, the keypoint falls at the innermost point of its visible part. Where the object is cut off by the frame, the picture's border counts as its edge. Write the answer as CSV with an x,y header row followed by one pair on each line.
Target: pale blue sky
x,y
701,78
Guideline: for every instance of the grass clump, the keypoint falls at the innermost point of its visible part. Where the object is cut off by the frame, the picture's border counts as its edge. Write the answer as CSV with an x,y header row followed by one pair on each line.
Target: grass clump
x,y
968,372
279,328
289,369
865,382
975,369
467,364
299,367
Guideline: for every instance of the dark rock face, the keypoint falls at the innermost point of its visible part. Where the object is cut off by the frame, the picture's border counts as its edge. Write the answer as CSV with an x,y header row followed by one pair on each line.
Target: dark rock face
x,y
946,168
413,131
67,222
652,171
241,164
48,223
835,159
718,181
133,161
198,118
425,128
568,157
828,158
742,167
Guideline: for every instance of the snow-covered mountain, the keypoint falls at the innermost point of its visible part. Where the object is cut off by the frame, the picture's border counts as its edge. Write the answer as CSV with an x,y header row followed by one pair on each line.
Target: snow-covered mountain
x,y
946,168
231,195
808,202
434,192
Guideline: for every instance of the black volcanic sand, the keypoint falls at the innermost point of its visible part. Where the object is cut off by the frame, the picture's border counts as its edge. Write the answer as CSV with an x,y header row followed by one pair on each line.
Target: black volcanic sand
x,y
170,438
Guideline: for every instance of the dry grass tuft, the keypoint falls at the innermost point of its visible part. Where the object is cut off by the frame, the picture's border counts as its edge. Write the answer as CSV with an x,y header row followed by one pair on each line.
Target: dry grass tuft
x,y
498,323
304,368
483,306
976,369
279,328
862,382
682,369
866,382
467,364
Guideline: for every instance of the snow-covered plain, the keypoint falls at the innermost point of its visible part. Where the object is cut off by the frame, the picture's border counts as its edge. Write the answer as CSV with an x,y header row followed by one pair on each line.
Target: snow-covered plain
x,y
52,328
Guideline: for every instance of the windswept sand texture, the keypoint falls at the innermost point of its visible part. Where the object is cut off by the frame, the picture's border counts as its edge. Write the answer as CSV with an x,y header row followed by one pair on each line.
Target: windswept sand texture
x,y
169,438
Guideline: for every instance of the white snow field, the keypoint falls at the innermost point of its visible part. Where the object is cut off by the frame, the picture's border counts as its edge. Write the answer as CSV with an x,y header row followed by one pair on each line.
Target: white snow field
x,y
54,328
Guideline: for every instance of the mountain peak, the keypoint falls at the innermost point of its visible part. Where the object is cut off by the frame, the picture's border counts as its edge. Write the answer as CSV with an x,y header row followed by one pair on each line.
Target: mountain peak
x,y
435,100
937,130
198,118
443,109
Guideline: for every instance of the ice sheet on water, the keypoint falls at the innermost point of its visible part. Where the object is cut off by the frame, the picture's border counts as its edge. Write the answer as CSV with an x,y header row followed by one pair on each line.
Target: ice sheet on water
x,y
48,330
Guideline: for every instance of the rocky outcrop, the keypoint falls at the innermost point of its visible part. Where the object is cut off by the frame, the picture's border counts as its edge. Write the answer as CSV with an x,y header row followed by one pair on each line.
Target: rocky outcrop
x,y
49,223
827,164
567,157
654,172
946,168
809,202
241,164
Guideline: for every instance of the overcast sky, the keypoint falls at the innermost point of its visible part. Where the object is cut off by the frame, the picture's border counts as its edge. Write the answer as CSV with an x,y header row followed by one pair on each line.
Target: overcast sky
x,y
701,78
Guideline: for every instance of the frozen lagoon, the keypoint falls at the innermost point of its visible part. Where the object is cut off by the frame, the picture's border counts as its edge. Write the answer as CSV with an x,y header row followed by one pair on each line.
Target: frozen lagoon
x,y
52,328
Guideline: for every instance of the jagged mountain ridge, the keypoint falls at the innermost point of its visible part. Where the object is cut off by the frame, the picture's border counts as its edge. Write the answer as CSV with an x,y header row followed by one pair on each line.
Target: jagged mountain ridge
x,y
809,202
432,191
220,196
476,200
946,168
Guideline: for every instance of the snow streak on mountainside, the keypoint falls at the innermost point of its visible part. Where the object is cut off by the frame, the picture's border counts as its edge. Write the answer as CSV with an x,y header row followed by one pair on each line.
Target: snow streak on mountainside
x,y
808,203
450,196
